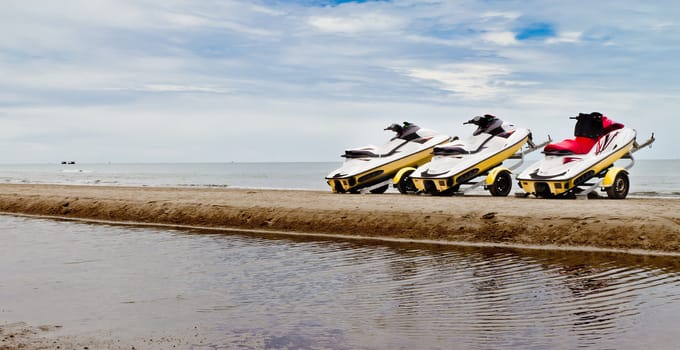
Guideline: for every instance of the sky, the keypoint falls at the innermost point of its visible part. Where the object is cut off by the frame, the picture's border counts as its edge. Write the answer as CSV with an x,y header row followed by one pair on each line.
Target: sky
x,y
257,81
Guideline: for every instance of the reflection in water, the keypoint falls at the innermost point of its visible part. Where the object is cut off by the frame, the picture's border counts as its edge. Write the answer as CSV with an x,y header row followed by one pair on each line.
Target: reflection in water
x,y
209,290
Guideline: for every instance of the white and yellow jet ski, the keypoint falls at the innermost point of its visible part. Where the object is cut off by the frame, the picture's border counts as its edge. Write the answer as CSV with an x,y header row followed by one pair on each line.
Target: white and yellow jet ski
x,y
580,165
460,162
371,168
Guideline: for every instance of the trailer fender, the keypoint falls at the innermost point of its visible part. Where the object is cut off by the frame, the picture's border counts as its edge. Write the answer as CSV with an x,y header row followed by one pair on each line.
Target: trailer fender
x,y
611,175
401,173
491,177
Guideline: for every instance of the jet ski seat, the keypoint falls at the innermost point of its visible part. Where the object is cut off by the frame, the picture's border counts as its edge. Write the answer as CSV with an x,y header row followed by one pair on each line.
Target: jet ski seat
x,y
360,153
579,145
375,152
589,128
460,148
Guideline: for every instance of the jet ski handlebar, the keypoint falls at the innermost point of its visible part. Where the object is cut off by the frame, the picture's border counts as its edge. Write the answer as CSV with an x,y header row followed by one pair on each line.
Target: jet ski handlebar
x,y
480,120
474,120
593,114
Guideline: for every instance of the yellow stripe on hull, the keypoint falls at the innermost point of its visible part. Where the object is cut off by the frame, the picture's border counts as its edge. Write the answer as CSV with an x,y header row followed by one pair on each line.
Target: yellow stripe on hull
x,y
558,187
445,183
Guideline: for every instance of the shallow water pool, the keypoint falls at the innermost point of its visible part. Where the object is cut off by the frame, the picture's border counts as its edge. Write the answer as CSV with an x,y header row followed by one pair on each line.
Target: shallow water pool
x,y
116,286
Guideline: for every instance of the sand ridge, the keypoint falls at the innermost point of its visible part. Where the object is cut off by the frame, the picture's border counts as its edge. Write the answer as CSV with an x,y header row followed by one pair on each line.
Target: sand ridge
x,y
650,224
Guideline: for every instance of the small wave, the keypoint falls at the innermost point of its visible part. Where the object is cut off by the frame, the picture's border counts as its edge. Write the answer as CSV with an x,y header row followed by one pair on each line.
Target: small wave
x,y
656,194
645,193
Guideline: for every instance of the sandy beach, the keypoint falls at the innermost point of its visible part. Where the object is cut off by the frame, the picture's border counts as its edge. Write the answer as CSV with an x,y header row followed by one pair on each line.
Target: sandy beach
x,y
639,225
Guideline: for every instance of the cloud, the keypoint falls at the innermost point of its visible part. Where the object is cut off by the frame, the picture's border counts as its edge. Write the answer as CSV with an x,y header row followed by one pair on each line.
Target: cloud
x,y
181,88
208,77
370,22
334,2
568,37
495,15
470,80
501,38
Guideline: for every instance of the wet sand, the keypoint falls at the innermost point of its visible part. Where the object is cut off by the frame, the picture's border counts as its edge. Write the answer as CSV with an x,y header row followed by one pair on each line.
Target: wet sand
x,y
20,335
638,225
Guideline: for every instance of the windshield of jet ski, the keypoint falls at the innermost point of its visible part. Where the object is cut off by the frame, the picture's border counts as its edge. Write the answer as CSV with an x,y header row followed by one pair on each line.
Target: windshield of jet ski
x,y
594,125
486,124
588,125
405,133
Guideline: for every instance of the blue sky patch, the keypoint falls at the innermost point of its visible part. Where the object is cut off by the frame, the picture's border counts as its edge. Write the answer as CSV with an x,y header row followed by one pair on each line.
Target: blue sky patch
x,y
536,31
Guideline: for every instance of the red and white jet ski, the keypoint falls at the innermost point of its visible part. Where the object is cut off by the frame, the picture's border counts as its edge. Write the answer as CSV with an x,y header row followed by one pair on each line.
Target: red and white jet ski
x,y
580,165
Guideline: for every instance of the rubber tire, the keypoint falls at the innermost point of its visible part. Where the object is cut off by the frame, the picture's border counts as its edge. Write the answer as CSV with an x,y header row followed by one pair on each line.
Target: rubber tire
x,y
502,184
619,189
405,184
379,190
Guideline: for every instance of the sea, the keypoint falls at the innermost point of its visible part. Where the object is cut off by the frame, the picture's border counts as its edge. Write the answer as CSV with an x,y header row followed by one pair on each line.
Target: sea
x,y
95,286
649,178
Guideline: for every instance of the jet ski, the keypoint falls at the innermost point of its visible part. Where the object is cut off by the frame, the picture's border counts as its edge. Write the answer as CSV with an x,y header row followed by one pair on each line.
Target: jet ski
x,y
578,166
481,154
371,168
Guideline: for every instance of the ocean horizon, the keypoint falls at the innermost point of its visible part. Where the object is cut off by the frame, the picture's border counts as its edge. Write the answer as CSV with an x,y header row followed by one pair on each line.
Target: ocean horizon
x,y
649,177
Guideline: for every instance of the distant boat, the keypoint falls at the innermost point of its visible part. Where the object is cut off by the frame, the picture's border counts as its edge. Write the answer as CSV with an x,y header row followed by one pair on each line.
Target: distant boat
x,y
69,162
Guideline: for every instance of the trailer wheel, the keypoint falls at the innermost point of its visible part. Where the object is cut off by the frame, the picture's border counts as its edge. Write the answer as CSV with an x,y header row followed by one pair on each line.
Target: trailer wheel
x,y
502,184
379,190
619,189
405,184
